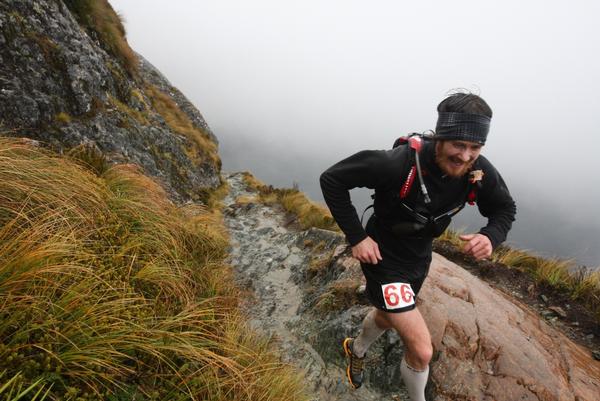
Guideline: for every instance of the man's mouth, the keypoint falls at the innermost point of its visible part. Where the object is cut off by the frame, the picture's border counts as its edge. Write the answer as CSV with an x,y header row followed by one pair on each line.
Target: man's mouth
x,y
456,163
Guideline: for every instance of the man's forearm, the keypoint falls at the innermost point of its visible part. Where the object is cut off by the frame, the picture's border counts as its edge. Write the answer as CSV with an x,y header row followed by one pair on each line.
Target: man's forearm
x,y
337,198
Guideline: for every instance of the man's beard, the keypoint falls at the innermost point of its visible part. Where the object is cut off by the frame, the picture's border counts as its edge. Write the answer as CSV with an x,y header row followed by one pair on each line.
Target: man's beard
x,y
443,161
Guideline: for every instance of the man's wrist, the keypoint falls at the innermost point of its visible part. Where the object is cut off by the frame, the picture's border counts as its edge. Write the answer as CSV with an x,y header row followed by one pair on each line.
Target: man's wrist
x,y
489,237
355,240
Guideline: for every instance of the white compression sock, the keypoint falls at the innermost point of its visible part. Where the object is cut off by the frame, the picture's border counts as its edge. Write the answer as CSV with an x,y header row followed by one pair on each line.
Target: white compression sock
x,y
369,333
414,380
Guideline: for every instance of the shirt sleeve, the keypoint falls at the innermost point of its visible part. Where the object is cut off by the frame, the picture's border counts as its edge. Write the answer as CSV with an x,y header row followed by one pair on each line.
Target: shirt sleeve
x,y
495,202
364,169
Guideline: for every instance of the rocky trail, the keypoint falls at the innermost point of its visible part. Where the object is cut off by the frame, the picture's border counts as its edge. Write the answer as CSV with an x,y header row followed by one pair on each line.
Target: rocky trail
x,y
271,259
304,292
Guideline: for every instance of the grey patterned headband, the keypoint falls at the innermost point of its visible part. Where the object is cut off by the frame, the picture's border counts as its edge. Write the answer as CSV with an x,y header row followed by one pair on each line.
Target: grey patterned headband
x,y
462,126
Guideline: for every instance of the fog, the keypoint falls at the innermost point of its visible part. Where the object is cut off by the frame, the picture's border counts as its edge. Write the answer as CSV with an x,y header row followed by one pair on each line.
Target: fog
x,y
290,88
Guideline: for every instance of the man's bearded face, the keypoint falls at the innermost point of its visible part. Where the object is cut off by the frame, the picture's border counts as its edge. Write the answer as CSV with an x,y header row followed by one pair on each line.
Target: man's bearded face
x,y
455,158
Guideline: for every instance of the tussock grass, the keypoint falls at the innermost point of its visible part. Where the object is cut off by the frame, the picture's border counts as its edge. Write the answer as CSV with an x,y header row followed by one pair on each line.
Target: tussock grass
x,y
89,157
252,183
103,23
13,389
308,213
179,122
319,264
581,284
214,201
340,295
452,236
140,116
109,291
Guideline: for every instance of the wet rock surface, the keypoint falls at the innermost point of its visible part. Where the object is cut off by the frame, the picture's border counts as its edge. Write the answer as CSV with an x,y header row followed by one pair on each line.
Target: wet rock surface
x,y
492,347
274,262
307,297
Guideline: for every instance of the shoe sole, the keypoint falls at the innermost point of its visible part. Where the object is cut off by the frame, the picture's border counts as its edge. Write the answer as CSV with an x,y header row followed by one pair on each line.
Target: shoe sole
x,y
348,353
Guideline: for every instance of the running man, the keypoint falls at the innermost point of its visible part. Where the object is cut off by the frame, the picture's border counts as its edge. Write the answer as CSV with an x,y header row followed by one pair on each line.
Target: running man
x,y
419,185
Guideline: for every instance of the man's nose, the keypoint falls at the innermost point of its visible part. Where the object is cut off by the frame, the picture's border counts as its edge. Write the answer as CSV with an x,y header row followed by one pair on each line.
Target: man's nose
x,y
465,155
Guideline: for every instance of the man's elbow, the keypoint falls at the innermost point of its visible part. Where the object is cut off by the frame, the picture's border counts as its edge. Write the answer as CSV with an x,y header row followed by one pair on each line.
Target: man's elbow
x,y
325,180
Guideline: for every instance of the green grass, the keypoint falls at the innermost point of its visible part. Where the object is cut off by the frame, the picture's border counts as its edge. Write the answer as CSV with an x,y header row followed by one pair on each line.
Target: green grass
x,y
13,389
108,291
582,285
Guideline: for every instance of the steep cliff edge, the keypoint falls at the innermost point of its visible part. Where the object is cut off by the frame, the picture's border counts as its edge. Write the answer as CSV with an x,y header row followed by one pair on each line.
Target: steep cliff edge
x,y
68,77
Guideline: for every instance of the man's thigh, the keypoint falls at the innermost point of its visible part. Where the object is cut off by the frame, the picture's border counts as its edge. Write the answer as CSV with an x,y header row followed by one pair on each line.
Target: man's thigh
x,y
410,325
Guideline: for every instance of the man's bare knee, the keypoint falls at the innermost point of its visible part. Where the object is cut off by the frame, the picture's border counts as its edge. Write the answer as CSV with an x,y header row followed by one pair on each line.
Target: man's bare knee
x,y
419,355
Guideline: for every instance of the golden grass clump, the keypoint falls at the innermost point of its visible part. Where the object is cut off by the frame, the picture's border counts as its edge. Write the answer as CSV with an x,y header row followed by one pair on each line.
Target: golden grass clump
x,y
99,17
308,213
139,116
581,284
179,122
63,118
452,236
252,183
109,291
90,157
340,295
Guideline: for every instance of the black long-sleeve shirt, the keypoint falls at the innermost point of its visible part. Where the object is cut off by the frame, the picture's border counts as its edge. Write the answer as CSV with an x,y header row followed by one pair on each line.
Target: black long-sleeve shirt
x,y
385,171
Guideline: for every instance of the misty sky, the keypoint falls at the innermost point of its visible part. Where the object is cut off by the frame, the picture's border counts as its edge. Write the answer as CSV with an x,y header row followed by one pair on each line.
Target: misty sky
x,y
289,88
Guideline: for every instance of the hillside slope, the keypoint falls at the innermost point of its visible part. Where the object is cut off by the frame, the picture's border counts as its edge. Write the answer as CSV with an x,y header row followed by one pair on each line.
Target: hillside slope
x,y
67,77
111,292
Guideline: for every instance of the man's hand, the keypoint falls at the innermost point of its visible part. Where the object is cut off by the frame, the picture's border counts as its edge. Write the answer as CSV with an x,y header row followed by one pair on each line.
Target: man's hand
x,y
477,245
367,251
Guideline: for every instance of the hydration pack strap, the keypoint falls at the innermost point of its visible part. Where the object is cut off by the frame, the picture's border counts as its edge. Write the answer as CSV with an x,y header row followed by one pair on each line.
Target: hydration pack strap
x,y
415,143
363,213
423,219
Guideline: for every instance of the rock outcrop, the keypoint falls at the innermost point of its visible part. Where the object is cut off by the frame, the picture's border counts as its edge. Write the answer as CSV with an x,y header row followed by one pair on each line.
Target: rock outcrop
x,y
62,84
491,347
308,297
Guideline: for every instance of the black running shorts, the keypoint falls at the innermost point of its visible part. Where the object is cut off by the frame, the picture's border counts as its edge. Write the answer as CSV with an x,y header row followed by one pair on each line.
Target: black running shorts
x,y
393,284
392,290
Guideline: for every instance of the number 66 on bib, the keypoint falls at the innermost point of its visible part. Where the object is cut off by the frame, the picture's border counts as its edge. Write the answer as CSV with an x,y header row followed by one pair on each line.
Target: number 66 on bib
x,y
398,295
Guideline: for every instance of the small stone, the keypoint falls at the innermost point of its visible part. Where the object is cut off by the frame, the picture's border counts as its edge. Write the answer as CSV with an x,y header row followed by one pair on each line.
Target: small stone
x,y
589,337
361,289
546,314
338,251
596,355
575,324
544,298
559,311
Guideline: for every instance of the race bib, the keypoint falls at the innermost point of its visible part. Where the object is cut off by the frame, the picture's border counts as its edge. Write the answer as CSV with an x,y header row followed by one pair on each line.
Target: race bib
x,y
397,295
